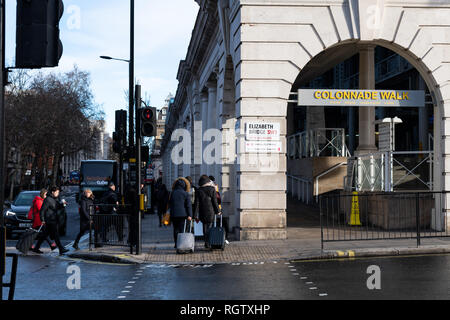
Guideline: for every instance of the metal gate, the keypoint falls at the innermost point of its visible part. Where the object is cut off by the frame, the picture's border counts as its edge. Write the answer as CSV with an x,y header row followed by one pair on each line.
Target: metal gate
x,y
382,216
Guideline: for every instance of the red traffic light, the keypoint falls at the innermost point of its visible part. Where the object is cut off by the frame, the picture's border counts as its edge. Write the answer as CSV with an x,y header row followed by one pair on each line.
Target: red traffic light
x,y
147,114
148,121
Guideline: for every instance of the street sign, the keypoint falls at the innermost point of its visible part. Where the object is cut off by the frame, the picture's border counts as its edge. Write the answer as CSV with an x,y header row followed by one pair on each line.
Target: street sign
x,y
263,146
262,131
362,98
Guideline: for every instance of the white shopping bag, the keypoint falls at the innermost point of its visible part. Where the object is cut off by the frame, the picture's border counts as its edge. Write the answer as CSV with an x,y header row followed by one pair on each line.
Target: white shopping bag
x,y
198,229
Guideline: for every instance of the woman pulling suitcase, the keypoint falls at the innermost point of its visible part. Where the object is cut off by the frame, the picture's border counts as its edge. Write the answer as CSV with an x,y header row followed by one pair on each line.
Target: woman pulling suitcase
x,y
206,206
180,206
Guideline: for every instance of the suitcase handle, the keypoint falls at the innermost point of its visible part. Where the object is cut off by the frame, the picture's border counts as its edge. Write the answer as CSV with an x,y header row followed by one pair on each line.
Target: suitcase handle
x,y
215,220
190,227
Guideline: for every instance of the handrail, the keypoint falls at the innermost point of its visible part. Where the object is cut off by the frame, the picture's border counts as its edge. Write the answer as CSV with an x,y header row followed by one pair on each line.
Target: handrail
x,y
336,166
305,183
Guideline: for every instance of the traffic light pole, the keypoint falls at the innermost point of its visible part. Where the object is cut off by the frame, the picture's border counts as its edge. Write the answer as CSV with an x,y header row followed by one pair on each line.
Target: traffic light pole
x,y
131,78
138,170
2,146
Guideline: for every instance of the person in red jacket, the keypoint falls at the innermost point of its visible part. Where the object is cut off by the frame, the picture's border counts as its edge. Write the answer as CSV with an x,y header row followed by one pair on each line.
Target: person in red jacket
x,y
34,215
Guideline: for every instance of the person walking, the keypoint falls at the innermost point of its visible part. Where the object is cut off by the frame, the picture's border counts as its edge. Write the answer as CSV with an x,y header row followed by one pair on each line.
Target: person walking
x,y
34,215
162,199
49,218
180,206
192,192
206,206
219,202
108,206
86,205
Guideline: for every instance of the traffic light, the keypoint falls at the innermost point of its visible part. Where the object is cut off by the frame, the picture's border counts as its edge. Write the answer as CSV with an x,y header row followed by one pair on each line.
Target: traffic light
x,y
117,147
37,33
119,135
148,121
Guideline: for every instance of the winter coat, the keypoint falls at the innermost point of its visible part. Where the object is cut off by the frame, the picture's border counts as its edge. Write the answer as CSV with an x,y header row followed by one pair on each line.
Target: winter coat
x,y
49,210
85,208
206,202
180,201
34,213
162,197
110,198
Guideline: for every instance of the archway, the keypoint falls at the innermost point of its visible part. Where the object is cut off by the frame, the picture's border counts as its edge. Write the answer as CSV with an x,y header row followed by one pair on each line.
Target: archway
x,y
321,139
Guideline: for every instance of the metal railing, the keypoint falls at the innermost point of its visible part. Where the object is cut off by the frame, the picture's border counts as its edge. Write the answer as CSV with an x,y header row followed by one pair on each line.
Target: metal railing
x,y
110,229
337,166
12,280
394,170
320,142
383,216
300,188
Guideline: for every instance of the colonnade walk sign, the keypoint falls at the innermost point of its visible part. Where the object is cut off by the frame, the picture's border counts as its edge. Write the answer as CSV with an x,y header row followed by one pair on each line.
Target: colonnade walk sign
x,y
369,98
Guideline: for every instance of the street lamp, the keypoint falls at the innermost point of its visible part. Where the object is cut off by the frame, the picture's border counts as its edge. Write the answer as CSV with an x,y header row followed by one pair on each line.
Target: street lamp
x,y
131,77
111,58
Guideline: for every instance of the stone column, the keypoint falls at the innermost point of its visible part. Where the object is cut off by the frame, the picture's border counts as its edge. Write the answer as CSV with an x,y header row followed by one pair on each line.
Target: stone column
x,y
204,119
226,121
197,136
366,114
212,117
423,119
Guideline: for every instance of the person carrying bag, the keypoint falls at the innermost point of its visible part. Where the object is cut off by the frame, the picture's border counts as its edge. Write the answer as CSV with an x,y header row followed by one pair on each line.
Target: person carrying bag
x,y
180,206
206,206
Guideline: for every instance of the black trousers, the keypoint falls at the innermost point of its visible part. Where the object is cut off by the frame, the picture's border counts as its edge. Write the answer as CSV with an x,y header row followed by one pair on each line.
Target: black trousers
x,y
178,226
84,227
49,241
50,229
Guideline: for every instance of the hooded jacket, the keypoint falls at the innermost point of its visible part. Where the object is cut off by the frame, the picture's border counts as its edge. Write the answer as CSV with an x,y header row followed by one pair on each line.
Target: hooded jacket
x,y
205,201
180,201
34,213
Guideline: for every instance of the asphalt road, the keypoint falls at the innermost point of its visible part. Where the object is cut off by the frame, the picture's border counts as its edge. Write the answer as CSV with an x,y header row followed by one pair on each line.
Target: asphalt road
x,y
46,277
419,277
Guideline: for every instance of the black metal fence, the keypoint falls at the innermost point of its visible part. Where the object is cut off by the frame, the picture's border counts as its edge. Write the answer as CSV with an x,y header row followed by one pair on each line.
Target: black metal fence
x,y
383,216
110,226
12,282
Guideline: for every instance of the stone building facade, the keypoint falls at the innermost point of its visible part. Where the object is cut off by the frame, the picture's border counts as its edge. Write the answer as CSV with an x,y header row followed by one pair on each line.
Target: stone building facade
x,y
245,59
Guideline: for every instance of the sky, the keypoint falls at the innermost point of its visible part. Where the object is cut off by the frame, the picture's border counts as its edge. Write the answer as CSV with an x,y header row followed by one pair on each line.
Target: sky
x,y
91,28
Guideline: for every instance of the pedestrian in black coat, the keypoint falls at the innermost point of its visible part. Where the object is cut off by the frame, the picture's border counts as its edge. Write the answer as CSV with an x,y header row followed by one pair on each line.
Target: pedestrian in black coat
x,y
162,197
86,206
180,206
108,205
205,205
49,218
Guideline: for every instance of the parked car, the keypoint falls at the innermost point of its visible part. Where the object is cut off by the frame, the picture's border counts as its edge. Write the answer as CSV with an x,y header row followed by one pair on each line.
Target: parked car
x,y
16,214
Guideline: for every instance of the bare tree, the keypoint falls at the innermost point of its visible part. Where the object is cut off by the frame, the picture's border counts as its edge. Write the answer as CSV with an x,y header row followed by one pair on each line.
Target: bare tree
x,y
50,115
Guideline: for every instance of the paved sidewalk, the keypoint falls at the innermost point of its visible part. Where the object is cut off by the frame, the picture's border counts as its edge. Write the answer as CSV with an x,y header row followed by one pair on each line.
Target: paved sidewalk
x,y
302,243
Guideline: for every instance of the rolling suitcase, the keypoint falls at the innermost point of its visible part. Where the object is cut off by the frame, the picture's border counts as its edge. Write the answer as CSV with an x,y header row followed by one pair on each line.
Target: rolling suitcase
x,y
186,240
26,240
216,237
